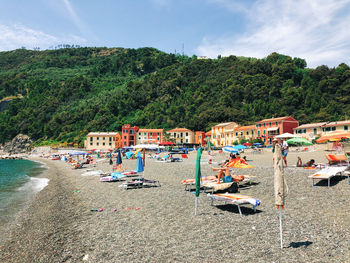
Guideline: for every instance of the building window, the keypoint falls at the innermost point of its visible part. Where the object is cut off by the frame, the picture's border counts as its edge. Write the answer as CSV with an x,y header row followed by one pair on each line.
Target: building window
x,y
186,140
139,133
345,127
124,143
91,143
264,124
264,131
258,133
97,138
139,138
158,138
236,133
114,139
103,138
247,132
182,134
103,144
270,124
158,133
110,139
92,139
334,128
182,140
276,122
144,133
97,144
186,133
125,137
315,130
110,144
131,131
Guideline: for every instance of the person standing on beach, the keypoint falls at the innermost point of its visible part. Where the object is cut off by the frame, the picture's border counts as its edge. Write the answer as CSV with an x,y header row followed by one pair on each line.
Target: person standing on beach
x,y
285,150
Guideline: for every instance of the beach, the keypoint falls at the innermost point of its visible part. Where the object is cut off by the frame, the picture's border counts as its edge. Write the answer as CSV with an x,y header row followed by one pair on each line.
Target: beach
x,y
157,224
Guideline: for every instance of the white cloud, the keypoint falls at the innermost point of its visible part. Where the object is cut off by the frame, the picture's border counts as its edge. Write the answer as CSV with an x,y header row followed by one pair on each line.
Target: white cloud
x,y
17,36
316,30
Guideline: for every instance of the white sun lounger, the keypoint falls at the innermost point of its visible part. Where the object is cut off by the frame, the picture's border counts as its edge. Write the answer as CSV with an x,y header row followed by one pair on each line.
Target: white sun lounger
x,y
235,199
327,174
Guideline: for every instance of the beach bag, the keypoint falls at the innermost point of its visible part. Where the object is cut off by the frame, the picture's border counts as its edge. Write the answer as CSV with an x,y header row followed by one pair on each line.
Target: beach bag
x,y
233,188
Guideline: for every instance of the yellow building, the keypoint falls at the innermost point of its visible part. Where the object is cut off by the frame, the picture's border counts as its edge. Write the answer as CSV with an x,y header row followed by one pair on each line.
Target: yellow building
x,y
102,140
221,134
245,132
312,130
182,135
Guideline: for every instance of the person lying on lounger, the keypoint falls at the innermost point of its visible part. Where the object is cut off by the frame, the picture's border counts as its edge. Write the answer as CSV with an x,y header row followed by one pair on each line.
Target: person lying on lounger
x,y
310,163
224,171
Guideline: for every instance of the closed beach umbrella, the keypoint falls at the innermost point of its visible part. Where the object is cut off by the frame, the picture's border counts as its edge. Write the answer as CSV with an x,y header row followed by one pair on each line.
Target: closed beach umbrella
x,y
198,178
139,164
119,158
299,141
279,184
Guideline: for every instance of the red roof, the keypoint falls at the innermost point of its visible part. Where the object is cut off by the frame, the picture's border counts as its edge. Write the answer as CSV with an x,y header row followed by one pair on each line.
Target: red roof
x,y
278,119
244,128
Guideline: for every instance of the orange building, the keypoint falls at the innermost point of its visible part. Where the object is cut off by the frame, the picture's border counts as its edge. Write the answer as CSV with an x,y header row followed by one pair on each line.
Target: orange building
x,y
129,135
149,136
269,128
200,138
207,137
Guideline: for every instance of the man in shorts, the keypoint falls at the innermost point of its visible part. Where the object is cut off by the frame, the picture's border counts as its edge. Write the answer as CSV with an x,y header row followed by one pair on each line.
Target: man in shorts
x,y
285,150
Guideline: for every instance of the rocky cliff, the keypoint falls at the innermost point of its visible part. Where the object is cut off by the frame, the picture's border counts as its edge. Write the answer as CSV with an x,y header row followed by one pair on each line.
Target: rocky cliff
x,y
20,144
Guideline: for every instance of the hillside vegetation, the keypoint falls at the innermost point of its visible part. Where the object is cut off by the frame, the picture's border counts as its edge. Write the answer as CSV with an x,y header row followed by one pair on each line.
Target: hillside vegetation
x,y
63,94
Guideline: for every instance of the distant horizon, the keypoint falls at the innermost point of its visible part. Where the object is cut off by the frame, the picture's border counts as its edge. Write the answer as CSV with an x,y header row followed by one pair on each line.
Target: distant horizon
x,y
314,30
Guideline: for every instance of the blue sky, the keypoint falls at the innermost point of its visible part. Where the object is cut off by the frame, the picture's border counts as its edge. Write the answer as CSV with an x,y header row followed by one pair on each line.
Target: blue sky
x,y
316,30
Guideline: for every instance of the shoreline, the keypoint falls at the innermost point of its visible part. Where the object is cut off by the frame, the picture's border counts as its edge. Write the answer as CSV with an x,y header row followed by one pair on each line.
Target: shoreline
x,y
58,226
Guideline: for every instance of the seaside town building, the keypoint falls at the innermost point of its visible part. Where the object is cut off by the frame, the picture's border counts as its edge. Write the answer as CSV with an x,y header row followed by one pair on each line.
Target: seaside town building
x,y
267,129
129,135
181,135
200,138
245,132
313,130
149,136
102,140
207,138
222,133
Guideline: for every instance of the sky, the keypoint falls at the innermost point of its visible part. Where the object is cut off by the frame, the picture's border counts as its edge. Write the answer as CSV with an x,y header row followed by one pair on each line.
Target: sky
x,y
315,30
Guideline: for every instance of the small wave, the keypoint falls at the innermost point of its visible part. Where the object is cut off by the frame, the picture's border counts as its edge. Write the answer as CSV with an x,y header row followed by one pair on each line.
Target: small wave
x,y
35,184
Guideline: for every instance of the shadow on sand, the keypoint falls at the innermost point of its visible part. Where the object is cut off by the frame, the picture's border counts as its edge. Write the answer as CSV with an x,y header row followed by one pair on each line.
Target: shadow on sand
x,y
304,244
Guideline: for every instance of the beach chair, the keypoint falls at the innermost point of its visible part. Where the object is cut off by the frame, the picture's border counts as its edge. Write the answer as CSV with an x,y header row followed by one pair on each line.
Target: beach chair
x,y
328,173
235,199
190,182
214,186
337,159
139,183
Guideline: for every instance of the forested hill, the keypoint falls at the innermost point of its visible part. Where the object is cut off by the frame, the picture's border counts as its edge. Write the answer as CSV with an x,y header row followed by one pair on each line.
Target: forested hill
x,y
63,94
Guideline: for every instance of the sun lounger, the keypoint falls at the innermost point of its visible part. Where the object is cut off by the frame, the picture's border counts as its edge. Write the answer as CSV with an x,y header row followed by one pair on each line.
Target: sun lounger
x,y
327,173
114,177
139,183
190,182
235,199
214,186
337,158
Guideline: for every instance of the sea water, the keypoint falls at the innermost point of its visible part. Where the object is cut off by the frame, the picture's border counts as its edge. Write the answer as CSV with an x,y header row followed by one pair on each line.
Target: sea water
x,y
18,185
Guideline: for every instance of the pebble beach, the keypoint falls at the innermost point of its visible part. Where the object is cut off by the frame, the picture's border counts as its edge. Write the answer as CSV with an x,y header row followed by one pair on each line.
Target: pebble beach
x,y
157,224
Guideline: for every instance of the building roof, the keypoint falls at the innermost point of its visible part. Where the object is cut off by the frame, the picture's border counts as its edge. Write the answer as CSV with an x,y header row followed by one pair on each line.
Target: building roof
x,y
337,123
151,130
102,134
277,119
310,125
244,128
180,130
224,124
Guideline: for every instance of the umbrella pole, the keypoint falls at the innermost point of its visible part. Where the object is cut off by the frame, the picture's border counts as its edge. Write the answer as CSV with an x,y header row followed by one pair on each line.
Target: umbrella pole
x,y
281,237
195,205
